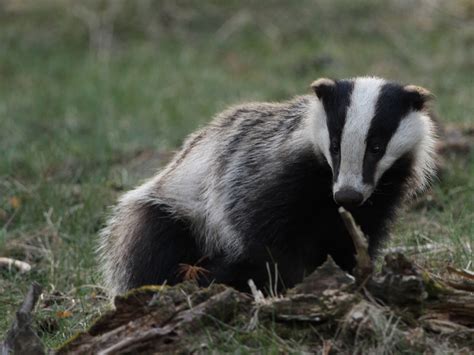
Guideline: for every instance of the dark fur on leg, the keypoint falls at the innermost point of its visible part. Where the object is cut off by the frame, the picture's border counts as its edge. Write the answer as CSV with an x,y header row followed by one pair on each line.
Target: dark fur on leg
x,y
161,244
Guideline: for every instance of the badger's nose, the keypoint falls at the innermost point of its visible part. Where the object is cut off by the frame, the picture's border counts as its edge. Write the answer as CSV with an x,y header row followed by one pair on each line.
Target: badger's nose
x,y
348,197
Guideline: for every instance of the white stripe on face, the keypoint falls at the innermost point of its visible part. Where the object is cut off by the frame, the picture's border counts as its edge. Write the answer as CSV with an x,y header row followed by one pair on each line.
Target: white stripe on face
x,y
319,130
409,134
359,116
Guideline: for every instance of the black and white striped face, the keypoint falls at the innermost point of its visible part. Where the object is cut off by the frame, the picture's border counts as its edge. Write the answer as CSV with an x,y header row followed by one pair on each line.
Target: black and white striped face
x,y
364,125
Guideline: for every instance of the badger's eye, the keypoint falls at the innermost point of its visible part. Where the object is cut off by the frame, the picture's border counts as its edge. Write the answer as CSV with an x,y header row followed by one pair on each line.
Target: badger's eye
x,y
375,148
335,147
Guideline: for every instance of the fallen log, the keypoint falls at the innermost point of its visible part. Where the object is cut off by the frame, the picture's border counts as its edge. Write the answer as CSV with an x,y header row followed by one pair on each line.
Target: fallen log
x,y
159,319
170,319
410,302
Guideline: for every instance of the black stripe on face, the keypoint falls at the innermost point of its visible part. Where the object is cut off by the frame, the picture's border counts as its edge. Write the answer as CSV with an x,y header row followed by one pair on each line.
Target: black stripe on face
x,y
336,102
392,106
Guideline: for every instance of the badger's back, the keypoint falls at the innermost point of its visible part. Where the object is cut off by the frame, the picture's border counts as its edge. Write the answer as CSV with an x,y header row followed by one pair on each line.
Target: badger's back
x,y
222,173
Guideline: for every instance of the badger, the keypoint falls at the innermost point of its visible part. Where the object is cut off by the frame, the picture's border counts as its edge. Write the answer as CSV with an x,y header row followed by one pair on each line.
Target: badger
x,y
258,189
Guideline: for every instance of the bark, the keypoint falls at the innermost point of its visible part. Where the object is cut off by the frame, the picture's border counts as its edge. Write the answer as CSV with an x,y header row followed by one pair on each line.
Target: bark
x,y
409,301
21,338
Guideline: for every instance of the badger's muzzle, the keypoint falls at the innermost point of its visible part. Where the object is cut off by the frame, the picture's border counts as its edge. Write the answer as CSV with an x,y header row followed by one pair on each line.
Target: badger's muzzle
x,y
348,197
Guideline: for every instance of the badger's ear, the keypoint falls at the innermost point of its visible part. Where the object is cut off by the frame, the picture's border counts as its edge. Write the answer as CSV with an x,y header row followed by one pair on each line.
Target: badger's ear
x,y
323,86
418,97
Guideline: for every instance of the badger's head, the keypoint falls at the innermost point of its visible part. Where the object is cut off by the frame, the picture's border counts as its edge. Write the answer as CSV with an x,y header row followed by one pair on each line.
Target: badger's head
x,y
364,126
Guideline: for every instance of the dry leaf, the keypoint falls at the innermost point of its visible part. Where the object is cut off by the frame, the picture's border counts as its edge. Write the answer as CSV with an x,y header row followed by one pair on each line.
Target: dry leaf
x,y
15,202
63,314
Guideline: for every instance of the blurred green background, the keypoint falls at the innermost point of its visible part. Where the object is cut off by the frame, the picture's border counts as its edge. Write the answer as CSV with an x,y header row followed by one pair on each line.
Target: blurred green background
x,y
95,94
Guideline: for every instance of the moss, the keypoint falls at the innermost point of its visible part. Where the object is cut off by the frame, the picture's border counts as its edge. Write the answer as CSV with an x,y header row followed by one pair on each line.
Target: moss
x,y
435,289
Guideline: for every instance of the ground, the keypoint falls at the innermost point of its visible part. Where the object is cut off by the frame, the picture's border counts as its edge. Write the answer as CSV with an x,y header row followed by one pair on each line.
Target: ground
x,y
95,96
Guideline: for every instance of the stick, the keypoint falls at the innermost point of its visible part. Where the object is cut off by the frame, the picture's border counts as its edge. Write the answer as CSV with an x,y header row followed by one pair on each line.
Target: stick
x,y
20,338
363,268
461,272
20,265
418,249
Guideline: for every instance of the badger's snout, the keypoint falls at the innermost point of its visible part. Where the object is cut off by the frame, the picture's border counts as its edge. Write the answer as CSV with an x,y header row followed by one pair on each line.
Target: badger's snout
x,y
348,197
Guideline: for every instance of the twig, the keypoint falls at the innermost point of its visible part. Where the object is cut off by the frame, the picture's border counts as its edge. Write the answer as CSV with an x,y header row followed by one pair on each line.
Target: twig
x,y
464,285
20,265
31,298
465,279
258,296
460,272
364,267
21,339
417,249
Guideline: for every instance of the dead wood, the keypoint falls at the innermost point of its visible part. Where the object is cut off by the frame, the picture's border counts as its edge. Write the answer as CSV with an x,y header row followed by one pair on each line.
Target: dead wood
x,y
416,249
160,319
330,305
326,277
413,303
156,319
364,266
466,274
461,280
400,283
21,338
9,263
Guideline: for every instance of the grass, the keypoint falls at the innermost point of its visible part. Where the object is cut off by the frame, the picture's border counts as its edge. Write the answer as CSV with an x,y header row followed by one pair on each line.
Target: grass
x,y
82,108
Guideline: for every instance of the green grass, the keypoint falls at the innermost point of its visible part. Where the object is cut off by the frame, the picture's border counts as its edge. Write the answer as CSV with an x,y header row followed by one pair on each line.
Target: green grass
x,y
77,119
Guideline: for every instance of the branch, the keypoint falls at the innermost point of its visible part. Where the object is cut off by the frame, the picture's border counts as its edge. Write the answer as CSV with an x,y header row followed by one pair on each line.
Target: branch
x,y
364,267
20,265
21,339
